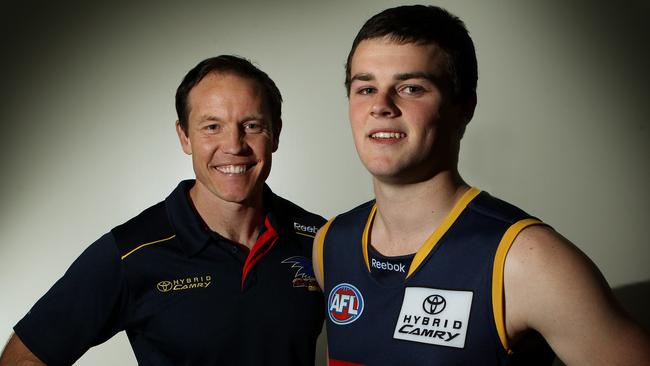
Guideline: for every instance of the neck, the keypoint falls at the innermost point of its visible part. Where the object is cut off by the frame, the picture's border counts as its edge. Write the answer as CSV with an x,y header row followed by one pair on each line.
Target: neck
x,y
239,222
407,214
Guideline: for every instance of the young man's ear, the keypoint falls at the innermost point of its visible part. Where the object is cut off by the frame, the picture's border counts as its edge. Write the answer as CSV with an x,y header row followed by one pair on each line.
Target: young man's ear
x,y
186,144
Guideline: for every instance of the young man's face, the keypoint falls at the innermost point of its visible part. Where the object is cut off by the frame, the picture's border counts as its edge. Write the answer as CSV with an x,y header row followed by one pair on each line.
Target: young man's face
x,y
229,137
405,127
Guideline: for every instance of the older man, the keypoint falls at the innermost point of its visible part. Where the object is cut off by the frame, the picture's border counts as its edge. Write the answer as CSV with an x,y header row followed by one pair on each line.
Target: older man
x,y
219,273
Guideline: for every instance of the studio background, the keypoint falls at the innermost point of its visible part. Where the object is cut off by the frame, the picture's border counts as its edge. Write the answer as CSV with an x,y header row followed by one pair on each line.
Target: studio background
x,y
88,140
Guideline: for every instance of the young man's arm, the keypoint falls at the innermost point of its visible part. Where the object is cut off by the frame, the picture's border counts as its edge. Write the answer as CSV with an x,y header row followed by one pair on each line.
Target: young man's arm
x,y
17,354
552,287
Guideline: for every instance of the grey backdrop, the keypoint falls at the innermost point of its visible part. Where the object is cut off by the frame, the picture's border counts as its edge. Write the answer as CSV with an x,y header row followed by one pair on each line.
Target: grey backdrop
x,y
561,127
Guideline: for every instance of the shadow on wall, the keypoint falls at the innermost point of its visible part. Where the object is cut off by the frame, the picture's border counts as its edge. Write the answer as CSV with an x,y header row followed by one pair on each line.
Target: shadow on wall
x,y
635,299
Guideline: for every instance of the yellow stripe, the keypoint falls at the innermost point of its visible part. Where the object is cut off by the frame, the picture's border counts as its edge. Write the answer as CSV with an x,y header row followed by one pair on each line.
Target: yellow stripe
x,y
497,276
366,234
430,243
320,244
303,234
146,244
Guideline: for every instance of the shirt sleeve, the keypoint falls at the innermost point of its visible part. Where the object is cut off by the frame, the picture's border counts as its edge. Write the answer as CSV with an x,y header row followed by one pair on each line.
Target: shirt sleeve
x,y
81,310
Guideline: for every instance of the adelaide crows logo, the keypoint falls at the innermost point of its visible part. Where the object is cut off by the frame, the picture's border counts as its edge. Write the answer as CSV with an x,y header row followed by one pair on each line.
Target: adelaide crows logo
x,y
304,276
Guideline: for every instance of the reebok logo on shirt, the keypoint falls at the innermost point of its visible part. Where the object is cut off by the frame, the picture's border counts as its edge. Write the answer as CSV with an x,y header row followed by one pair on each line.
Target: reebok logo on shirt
x,y
306,230
387,266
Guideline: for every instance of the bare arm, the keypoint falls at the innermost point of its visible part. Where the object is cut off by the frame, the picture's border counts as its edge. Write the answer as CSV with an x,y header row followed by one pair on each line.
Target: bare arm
x,y
552,287
17,354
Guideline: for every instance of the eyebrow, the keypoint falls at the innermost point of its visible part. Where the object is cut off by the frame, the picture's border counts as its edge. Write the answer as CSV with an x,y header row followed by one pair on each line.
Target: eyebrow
x,y
362,77
249,117
401,76
415,75
211,118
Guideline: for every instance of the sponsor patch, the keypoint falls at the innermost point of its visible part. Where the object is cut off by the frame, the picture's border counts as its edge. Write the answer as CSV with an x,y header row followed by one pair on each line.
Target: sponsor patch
x,y
184,283
304,276
434,316
344,304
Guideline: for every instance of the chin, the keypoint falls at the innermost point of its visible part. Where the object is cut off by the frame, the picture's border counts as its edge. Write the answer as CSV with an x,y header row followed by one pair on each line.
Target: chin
x,y
242,195
382,169
235,197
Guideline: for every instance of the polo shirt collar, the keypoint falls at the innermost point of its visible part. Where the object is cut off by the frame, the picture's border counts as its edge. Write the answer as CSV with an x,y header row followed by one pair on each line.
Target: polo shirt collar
x,y
188,226
190,229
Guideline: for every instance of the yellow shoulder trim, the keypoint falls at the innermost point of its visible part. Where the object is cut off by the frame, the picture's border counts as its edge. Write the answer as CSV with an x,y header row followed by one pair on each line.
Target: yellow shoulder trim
x,y
497,277
320,244
146,244
366,233
430,243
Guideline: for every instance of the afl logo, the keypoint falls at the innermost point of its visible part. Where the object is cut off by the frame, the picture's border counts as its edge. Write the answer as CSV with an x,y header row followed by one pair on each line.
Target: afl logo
x,y
434,304
164,286
345,304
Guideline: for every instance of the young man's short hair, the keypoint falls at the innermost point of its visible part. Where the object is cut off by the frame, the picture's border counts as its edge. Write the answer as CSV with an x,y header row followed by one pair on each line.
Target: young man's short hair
x,y
426,25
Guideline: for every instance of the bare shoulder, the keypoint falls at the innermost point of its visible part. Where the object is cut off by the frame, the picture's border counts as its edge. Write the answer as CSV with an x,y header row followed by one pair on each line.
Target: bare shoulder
x,y
540,253
553,287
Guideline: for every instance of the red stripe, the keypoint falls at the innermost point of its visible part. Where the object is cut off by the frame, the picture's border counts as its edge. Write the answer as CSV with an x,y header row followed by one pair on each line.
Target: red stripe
x,y
333,362
263,244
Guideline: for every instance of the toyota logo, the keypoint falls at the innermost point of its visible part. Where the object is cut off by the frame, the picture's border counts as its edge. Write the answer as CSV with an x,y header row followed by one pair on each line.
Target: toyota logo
x,y
164,286
434,304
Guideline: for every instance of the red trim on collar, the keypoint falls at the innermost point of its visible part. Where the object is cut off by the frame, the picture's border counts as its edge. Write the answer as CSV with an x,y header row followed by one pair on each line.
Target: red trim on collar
x,y
263,244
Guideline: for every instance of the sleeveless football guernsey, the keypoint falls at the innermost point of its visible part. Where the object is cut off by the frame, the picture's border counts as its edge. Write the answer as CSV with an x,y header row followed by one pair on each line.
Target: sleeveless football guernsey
x,y
448,310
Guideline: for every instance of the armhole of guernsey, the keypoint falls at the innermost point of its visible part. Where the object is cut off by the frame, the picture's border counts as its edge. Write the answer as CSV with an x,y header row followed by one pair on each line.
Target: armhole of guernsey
x,y
320,246
497,277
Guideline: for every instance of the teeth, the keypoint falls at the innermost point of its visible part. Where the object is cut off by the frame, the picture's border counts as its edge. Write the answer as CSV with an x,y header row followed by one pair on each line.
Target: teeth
x,y
232,169
388,135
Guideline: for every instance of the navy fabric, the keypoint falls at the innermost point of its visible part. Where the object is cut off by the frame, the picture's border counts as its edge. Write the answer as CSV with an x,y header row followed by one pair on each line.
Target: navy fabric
x,y
460,263
176,288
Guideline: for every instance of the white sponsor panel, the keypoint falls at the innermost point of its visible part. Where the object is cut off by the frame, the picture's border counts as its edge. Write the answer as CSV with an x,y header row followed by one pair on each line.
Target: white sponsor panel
x,y
434,316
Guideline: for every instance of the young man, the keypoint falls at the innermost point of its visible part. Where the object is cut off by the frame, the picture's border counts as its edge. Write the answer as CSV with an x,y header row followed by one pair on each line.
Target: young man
x,y
434,271
219,273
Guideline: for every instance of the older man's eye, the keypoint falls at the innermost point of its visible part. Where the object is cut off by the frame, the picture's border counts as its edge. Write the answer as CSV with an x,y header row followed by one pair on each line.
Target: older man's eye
x,y
253,127
212,128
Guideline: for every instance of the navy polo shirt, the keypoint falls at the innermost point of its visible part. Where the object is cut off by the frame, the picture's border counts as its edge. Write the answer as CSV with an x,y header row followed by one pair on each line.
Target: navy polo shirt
x,y
184,294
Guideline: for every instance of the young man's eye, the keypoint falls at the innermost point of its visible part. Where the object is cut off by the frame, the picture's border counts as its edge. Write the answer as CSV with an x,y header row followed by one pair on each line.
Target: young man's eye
x,y
365,91
412,89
